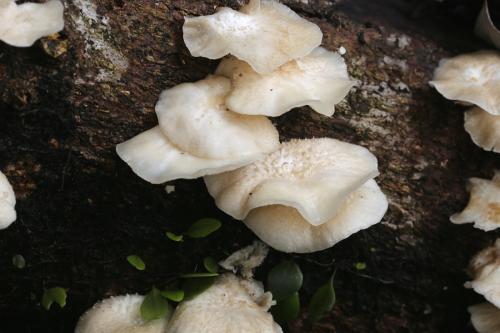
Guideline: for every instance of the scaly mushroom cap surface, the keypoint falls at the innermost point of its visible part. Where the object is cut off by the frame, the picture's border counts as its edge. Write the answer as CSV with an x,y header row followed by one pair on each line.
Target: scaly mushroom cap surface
x,y
484,129
21,25
485,269
197,135
284,229
472,78
118,314
485,318
483,208
314,176
264,33
7,203
319,80
229,305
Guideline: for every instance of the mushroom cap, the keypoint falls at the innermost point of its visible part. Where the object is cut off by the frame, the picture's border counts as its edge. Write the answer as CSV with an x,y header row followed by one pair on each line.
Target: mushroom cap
x,y
284,229
319,80
194,118
483,208
485,318
118,314
229,305
314,176
7,203
485,269
472,78
264,33
485,28
484,129
153,158
21,25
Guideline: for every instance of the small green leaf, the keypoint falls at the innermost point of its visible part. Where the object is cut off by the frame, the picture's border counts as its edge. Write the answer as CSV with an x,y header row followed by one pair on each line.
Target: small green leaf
x,y
211,265
137,262
360,266
287,310
56,294
284,279
203,228
173,295
18,261
194,287
198,275
322,301
154,306
174,237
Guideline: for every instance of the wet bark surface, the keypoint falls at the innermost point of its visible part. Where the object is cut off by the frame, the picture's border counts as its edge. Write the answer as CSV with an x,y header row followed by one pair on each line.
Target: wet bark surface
x,y
82,210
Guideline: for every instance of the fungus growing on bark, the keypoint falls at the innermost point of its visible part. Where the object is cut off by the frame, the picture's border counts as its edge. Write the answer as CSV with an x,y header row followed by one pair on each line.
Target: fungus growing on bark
x,y
483,208
197,135
229,305
485,269
319,80
484,129
264,33
472,78
7,203
21,25
313,176
485,318
485,28
119,314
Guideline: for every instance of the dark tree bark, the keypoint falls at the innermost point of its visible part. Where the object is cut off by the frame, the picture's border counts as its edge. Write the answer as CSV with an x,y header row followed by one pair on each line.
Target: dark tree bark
x,y
82,210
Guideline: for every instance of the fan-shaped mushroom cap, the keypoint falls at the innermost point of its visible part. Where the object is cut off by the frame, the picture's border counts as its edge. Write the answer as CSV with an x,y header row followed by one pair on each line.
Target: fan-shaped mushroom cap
x,y
119,314
485,318
485,269
314,176
7,203
229,305
264,33
284,229
483,208
484,129
472,78
485,28
319,80
21,25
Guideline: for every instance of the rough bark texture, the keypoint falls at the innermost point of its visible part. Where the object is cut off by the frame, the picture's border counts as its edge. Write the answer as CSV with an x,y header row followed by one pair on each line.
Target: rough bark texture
x,y
82,210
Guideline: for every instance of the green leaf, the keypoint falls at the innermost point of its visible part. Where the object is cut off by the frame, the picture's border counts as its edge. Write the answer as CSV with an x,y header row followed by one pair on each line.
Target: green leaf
x,y
198,275
56,294
211,265
194,287
154,306
173,295
137,262
360,266
284,280
18,261
287,310
203,228
322,301
174,237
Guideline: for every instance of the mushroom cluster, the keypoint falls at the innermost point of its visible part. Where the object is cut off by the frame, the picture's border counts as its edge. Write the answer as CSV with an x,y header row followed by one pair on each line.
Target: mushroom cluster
x,y
21,25
7,203
297,196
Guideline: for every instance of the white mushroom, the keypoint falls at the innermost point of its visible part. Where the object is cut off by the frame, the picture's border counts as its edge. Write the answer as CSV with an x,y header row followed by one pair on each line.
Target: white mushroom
x,y
246,259
319,80
483,208
485,318
21,25
485,269
485,28
484,129
264,33
119,314
7,203
284,229
197,135
229,305
472,78
314,176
